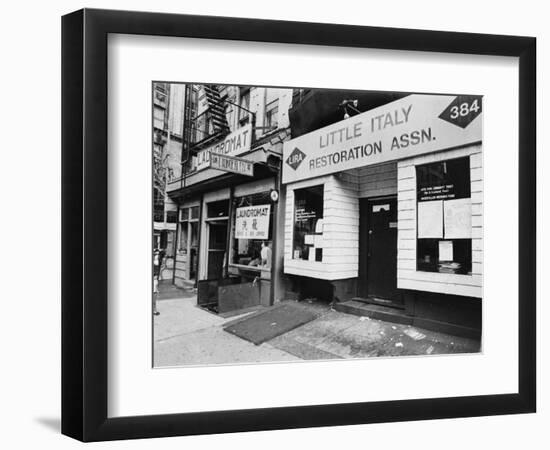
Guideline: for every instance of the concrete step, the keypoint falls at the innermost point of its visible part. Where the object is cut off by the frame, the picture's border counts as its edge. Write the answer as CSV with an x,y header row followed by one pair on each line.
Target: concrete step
x,y
379,301
374,311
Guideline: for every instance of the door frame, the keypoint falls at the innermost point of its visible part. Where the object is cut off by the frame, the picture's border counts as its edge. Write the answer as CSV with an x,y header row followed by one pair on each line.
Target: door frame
x,y
362,284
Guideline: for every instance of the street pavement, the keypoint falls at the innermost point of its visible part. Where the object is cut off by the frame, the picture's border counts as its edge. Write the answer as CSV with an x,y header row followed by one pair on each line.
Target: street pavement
x,y
340,335
185,334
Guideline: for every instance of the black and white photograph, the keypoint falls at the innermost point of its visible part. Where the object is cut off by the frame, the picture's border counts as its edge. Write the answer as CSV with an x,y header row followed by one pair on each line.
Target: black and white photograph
x,y
275,225
297,224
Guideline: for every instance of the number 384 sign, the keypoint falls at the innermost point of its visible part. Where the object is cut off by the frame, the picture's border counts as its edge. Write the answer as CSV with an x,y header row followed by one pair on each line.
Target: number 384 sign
x,y
462,110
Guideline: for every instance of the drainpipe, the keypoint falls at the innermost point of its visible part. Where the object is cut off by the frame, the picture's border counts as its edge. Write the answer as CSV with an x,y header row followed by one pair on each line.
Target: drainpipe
x,y
228,235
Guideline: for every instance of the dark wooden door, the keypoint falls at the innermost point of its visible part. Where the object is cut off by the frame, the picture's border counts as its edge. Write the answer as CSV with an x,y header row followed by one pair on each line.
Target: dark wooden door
x,y
382,249
217,239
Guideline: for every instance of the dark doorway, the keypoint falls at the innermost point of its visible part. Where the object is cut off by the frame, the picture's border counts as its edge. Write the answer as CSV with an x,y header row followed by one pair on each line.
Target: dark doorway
x,y
217,241
378,274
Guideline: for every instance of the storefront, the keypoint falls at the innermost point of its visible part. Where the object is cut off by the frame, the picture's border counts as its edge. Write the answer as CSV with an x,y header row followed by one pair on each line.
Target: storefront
x,y
229,236
386,206
236,249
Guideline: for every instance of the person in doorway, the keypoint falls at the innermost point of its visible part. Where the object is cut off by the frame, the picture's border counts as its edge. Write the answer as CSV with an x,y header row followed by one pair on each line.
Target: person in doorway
x,y
266,254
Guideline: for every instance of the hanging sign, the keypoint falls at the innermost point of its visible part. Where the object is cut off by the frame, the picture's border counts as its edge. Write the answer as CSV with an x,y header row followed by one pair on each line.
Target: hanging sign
x,y
232,164
235,143
411,126
252,222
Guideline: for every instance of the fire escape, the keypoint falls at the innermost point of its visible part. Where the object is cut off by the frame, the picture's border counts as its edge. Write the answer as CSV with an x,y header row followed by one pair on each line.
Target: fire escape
x,y
210,126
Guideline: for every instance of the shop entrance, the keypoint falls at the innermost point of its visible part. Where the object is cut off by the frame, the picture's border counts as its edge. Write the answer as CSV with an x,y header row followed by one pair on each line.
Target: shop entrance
x,y
378,251
217,240
207,288
236,272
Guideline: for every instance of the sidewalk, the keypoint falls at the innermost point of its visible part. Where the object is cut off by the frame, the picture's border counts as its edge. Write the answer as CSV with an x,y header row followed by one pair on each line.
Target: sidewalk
x,y
185,334
341,335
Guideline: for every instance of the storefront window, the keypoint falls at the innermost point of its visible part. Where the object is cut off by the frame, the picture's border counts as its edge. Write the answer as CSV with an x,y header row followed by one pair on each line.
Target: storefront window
x,y
308,224
252,231
189,238
217,209
444,212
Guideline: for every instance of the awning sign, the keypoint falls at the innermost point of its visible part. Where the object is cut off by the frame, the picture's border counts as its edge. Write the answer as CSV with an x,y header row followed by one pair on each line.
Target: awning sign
x,y
235,143
252,222
232,164
412,126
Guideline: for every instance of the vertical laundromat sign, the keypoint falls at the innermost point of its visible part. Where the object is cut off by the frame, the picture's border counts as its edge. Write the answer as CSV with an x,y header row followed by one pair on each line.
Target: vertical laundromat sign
x,y
412,126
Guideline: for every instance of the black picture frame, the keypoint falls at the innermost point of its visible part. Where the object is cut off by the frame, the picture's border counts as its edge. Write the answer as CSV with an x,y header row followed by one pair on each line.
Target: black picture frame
x,y
84,224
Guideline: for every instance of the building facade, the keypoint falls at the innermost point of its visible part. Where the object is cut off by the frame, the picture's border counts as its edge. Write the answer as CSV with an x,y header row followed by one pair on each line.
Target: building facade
x,y
387,206
168,102
372,201
230,229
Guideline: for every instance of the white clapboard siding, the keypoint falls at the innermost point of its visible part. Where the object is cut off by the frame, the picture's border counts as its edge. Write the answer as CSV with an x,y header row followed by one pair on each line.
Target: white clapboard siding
x,y
406,205
407,275
439,287
449,278
405,254
406,234
338,250
340,230
406,224
377,181
477,256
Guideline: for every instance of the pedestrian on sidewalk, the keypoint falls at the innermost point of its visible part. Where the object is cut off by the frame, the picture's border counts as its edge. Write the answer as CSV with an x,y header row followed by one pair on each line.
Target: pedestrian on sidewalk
x,y
155,295
157,262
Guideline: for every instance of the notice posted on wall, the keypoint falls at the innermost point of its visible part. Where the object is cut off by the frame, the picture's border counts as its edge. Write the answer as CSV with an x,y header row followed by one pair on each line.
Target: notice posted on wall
x,y
458,218
319,241
445,250
430,220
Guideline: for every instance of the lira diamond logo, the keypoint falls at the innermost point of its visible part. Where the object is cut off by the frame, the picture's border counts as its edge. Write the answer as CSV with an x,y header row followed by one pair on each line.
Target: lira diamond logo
x,y
295,158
